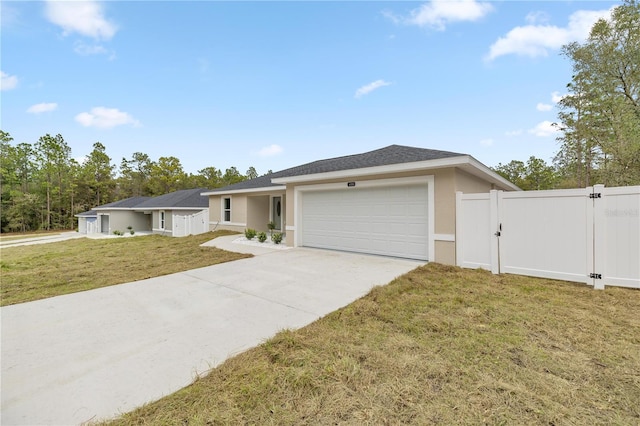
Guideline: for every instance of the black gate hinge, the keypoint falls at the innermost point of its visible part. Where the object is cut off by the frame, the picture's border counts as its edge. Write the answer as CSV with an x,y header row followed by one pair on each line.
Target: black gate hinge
x,y
595,276
595,195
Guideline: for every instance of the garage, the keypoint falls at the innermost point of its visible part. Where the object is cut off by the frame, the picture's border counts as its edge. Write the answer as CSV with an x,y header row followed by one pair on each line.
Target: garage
x,y
368,217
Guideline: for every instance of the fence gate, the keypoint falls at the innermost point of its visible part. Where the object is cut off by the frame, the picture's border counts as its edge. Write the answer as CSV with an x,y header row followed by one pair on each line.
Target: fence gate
x,y
191,224
589,235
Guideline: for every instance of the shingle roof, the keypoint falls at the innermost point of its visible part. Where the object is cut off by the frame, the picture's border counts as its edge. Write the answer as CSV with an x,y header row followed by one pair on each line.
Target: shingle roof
x,y
392,154
185,198
89,213
123,204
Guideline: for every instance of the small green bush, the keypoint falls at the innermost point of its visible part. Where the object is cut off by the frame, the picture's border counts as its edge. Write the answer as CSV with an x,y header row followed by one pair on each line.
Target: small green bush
x,y
117,232
276,238
249,233
131,231
271,225
262,237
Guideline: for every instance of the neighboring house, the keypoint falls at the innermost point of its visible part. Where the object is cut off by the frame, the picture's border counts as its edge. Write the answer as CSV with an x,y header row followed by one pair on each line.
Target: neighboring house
x,y
119,215
177,214
395,201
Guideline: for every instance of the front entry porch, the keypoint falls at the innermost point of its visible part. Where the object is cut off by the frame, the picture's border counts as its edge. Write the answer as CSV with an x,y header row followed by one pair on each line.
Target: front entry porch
x,y
263,209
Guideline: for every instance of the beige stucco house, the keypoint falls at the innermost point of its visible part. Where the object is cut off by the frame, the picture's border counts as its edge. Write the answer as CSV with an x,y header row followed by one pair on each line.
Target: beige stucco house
x,y
395,201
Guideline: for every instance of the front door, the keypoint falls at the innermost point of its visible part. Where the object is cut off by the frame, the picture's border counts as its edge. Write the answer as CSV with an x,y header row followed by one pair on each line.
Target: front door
x,y
276,212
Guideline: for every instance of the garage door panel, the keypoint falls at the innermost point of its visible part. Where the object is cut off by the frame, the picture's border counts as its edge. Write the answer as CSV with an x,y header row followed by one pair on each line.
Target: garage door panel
x,y
389,220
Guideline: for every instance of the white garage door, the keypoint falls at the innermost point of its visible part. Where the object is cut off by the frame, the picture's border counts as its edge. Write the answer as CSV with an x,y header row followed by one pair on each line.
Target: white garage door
x,y
390,220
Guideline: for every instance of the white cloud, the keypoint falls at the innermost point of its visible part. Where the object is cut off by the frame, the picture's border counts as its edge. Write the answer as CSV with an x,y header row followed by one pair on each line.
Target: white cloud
x,y
84,49
536,40
82,17
544,129
105,118
368,88
42,107
537,17
486,142
543,107
9,16
437,14
269,151
512,133
8,82
557,97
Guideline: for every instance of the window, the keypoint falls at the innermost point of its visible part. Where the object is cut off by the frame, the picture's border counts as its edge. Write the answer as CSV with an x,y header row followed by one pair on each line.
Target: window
x,y
162,219
226,209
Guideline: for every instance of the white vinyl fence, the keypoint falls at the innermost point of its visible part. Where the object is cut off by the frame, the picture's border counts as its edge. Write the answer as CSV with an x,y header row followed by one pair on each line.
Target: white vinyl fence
x,y
589,235
191,224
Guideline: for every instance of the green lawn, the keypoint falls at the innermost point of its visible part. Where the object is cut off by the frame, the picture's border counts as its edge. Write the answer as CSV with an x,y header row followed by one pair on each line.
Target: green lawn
x,y
439,345
45,270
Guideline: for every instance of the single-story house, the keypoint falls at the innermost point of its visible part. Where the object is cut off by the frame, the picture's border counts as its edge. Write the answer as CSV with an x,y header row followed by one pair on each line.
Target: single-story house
x,y
178,213
395,201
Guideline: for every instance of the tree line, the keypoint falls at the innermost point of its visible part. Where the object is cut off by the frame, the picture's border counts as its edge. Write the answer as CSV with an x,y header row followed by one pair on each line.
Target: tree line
x,y
43,187
599,118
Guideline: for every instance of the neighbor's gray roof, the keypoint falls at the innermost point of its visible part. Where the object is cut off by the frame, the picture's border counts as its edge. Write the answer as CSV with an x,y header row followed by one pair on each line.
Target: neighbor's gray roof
x,y
127,203
89,213
185,198
392,154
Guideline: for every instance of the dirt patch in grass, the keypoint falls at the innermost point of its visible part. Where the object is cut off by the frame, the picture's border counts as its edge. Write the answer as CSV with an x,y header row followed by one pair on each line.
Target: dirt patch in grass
x,y
439,345
40,271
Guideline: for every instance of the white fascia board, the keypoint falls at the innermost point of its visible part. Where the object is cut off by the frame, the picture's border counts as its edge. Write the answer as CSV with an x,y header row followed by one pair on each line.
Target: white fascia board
x,y
246,191
146,209
391,168
114,208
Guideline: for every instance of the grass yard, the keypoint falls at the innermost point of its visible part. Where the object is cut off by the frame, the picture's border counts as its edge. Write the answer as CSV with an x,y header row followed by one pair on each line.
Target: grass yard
x,y
439,345
39,271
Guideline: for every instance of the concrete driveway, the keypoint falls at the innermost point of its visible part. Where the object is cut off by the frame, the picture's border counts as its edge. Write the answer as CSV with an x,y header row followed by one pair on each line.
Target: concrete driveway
x,y
93,355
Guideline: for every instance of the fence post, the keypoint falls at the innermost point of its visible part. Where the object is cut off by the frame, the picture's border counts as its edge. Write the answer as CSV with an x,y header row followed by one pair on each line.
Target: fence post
x,y
599,237
494,215
459,239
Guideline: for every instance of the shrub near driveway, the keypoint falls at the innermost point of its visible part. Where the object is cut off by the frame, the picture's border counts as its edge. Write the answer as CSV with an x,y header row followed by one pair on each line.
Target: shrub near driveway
x,y
47,270
439,345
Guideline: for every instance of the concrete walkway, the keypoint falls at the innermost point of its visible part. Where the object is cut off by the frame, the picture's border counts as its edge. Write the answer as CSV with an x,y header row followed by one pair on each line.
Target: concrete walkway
x,y
93,355
43,239
63,236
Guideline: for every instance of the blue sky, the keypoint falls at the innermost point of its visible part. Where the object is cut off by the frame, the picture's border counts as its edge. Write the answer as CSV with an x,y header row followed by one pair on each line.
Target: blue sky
x,y
277,84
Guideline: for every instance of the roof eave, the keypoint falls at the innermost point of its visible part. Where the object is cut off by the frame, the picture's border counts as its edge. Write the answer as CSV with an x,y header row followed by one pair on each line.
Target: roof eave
x,y
390,168
465,162
247,191
478,169
114,208
139,209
